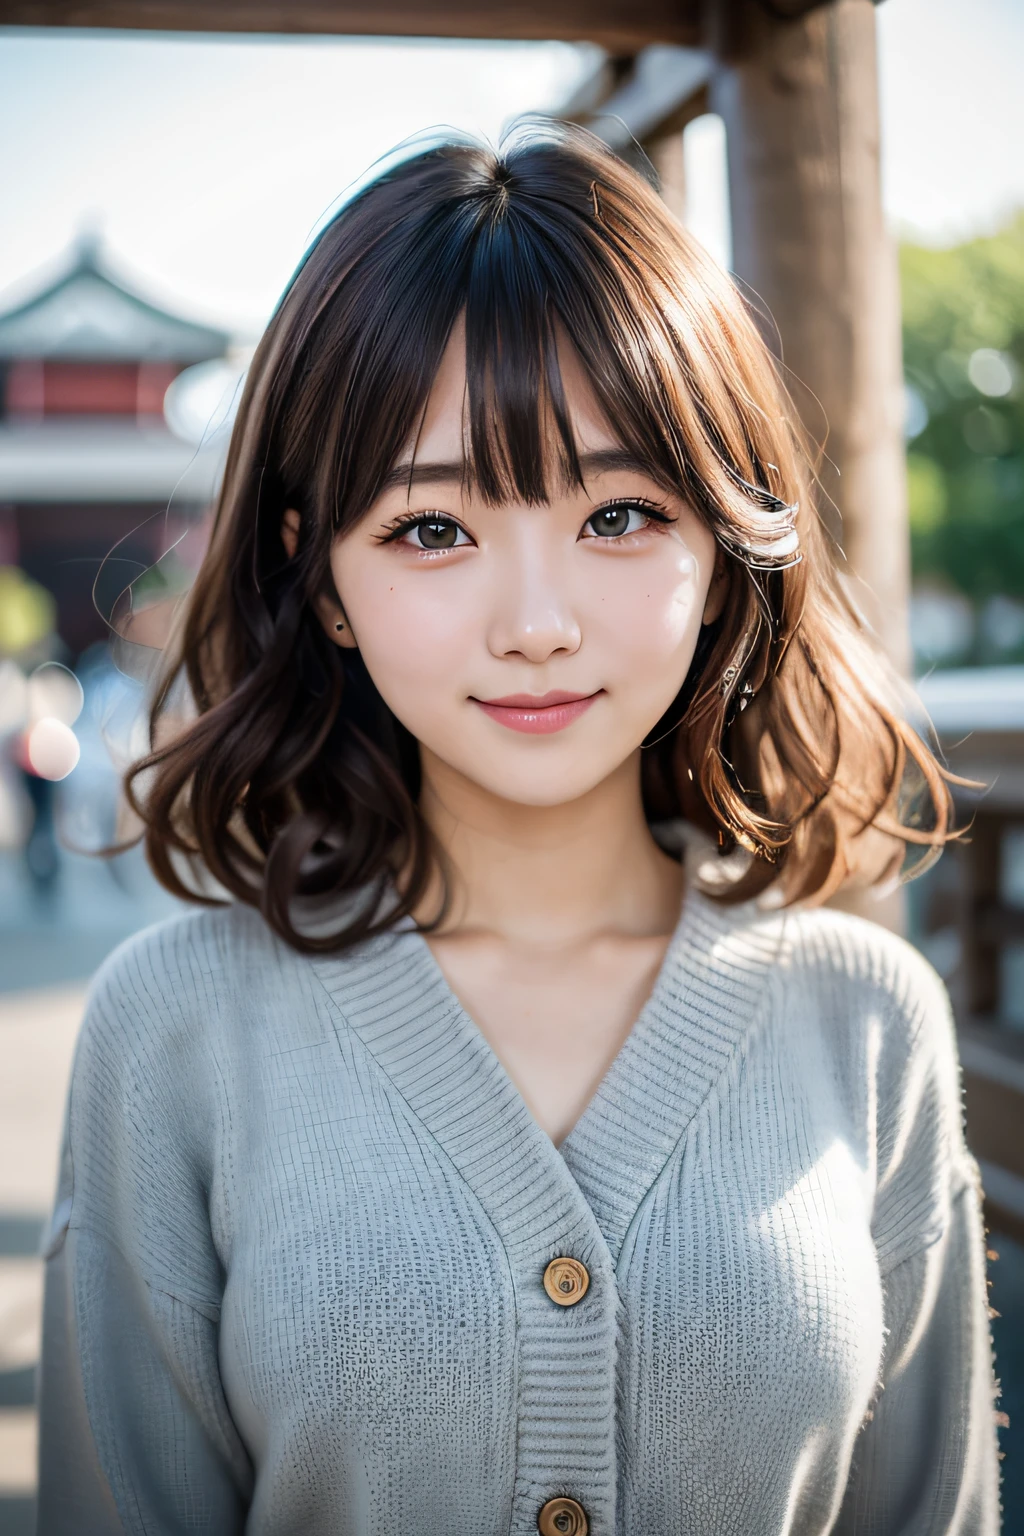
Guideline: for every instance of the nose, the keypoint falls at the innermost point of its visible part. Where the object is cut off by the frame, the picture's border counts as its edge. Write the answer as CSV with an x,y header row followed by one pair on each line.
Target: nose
x,y
532,614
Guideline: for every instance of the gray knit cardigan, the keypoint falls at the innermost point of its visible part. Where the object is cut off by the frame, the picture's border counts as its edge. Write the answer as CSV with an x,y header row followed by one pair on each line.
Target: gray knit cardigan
x,y
295,1270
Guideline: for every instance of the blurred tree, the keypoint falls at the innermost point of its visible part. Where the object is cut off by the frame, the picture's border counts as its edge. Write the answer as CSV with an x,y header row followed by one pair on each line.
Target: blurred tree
x,y
963,349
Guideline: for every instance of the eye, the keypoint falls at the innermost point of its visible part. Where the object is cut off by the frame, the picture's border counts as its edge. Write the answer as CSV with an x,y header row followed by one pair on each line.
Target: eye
x,y
618,519
433,532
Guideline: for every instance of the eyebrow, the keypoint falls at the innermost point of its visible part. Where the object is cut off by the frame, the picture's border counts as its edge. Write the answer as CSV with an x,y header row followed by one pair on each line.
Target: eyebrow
x,y
600,462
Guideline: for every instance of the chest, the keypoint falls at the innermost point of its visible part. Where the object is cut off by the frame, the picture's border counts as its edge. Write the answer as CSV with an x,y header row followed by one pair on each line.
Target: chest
x,y
385,1319
555,1020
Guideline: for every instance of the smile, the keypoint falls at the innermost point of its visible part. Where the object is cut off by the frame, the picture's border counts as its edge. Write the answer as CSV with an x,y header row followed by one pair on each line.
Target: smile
x,y
538,716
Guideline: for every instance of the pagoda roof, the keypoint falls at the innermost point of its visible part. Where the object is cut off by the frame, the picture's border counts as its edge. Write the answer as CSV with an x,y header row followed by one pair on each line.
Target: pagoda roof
x,y
88,314
68,461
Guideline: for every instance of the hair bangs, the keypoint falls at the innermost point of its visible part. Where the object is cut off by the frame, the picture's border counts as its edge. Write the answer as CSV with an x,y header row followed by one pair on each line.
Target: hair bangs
x,y
521,440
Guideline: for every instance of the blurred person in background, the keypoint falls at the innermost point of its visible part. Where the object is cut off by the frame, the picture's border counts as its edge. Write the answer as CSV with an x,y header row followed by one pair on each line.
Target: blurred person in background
x,y
28,639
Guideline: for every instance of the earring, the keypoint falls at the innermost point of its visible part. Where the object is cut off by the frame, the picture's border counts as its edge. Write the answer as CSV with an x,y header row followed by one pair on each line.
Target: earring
x,y
339,625
740,699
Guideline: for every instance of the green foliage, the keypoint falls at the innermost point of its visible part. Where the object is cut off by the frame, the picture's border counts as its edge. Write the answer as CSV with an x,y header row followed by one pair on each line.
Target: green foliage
x,y
963,350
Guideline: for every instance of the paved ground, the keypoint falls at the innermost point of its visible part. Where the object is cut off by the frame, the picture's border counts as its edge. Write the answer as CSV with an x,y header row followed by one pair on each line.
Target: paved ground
x,y
37,1034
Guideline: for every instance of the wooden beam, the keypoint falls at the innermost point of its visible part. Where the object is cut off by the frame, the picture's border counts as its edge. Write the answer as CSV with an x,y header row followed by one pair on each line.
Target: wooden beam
x,y
993,1078
655,96
619,27
799,100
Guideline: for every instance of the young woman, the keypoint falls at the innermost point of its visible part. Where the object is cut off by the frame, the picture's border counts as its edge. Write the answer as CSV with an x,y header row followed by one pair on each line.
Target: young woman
x,y
484,1165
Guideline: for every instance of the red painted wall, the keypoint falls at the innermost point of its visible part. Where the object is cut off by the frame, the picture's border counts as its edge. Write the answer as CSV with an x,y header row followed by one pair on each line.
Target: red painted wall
x,y
36,388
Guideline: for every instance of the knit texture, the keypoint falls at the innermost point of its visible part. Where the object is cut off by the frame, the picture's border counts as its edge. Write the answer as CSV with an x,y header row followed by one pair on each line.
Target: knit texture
x,y
295,1270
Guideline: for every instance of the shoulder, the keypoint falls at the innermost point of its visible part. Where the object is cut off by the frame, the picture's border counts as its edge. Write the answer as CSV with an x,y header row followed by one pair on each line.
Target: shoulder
x,y
819,953
861,994
168,987
804,946
885,1015
205,941
872,994
876,967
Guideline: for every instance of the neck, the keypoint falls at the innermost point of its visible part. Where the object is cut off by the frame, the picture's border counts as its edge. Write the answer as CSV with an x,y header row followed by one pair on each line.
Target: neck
x,y
549,875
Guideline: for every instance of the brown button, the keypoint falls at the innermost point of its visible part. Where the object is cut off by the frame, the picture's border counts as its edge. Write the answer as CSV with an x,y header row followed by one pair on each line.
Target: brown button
x,y
566,1281
562,1517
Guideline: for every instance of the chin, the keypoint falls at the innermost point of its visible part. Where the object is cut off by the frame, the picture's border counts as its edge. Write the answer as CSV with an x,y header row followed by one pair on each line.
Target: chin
x,y
540,789
546,797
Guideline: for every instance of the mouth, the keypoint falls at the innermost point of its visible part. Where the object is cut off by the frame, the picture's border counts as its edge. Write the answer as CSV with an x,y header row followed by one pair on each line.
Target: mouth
x,y
538,715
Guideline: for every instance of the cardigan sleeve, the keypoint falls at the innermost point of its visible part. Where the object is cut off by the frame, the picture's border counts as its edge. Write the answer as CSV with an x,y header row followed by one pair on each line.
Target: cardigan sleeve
x,y
925,1463
135,1434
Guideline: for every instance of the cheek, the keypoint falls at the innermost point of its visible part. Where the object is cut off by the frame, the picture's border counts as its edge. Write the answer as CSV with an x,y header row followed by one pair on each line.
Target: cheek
x,y
411,627
656,612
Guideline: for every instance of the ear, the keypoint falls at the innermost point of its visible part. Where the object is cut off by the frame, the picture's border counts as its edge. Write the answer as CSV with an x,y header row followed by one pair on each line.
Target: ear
x,y
718,591
335,621
290,532
327,609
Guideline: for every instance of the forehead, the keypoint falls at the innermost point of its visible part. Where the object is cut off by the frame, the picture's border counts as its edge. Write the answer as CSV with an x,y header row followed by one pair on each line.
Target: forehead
x,y
443,434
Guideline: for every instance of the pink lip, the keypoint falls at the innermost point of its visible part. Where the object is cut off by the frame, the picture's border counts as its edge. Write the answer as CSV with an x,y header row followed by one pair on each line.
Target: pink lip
x,y
538,716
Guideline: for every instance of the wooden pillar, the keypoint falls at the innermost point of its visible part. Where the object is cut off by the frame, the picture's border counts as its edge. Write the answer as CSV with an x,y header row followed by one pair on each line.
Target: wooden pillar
x,y
666,155
800,104
985,923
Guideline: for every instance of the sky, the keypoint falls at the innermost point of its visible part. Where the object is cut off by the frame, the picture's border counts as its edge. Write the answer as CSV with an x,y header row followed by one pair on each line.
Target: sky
x,y
206,163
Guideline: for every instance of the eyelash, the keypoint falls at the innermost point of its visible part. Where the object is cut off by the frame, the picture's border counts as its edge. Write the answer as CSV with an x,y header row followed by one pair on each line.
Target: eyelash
x,y
409,520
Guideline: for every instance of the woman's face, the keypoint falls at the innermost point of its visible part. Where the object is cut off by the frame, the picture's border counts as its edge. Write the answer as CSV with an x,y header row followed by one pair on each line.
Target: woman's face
x,y
530,648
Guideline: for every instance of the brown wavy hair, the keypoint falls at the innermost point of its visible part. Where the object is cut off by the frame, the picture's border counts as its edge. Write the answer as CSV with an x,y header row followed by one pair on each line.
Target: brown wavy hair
x,y
287,775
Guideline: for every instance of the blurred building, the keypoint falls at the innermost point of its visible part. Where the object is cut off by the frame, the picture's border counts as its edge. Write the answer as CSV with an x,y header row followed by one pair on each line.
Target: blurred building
x,y
94,486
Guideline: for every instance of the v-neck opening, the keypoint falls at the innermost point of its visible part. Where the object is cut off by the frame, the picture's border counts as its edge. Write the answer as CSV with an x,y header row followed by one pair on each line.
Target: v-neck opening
x,y
628,1042
394,995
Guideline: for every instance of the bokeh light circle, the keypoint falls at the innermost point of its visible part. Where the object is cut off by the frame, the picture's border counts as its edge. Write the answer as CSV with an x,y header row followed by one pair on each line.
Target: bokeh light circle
x,y
54,693
52,748
991,372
